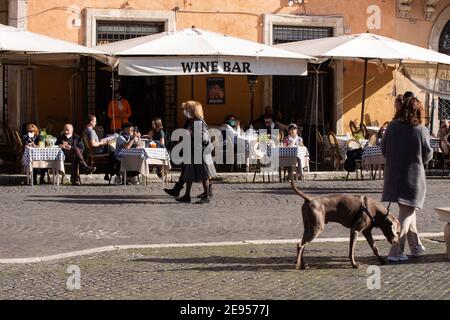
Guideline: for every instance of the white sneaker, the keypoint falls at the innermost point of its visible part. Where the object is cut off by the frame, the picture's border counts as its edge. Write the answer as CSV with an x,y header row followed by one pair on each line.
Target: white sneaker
x,y
419,251
398,258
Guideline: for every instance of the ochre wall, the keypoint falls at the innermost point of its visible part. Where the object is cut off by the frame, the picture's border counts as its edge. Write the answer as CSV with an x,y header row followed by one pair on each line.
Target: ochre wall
x,y
237,99
244,19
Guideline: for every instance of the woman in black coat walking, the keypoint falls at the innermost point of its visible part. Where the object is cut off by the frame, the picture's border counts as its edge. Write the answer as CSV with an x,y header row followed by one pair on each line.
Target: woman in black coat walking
x,y
201,165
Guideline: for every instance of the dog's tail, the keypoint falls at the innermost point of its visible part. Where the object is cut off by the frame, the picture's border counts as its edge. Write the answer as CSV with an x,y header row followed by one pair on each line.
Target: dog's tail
x,y
300,193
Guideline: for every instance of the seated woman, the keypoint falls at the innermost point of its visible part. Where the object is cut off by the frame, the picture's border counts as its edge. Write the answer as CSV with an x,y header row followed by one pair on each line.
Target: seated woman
x,y
31,139
381,133
231,128
293,139
157,133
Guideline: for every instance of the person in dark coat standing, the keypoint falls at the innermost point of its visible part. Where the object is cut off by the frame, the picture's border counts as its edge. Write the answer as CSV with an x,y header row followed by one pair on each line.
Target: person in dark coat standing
x,y
406,148
201,164
73,147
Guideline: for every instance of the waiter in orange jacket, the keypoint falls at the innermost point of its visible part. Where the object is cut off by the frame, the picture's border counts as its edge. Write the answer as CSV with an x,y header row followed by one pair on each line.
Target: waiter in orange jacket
x,y
119,111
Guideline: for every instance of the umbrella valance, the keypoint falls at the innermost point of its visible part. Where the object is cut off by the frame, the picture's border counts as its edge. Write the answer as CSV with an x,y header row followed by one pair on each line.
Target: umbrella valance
x,y
195,51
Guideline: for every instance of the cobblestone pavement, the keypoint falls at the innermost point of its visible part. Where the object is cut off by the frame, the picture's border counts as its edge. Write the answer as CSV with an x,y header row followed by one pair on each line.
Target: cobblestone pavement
x,y
38,221
232,272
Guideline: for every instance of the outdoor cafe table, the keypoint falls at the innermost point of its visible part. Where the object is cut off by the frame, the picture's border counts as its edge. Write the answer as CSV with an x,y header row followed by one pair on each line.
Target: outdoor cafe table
x,y
43,158
434,143
342,141
139,159
291,156
372,156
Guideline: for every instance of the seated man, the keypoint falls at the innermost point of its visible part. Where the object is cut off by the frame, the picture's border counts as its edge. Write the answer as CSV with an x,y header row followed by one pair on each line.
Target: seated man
x,y
127,139
273,128
73,147
98,146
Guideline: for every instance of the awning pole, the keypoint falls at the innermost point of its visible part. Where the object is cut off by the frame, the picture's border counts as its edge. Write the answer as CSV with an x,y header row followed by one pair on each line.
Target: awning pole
x,y
366,60
433,105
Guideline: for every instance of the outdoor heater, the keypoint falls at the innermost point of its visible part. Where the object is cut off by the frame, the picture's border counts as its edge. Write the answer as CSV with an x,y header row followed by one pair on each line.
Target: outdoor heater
x,y
252,81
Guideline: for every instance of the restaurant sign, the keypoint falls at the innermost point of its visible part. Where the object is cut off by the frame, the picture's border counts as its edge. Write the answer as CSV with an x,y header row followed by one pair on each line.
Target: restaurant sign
x,y
176,66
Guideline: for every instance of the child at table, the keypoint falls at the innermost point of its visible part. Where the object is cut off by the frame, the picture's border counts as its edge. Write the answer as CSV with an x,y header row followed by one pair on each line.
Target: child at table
x,y
293,139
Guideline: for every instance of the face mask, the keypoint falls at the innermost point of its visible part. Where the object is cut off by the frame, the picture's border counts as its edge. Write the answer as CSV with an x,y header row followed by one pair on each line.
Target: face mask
x,y
232,122
31,134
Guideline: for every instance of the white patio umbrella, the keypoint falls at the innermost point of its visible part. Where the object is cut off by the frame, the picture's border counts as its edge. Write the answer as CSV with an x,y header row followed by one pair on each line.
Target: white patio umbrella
x,y
17,43
197,52
21,47
367,46
194,51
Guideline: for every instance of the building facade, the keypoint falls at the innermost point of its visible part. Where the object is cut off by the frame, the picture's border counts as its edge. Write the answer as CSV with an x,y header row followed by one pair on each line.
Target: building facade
x,y
68,94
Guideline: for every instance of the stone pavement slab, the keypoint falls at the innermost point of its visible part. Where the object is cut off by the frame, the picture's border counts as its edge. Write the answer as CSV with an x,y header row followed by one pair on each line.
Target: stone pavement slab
x,y
233,272
39,221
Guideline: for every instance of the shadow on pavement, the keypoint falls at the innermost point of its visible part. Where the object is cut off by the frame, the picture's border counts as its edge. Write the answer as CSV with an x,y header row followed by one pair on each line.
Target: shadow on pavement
x,y
101,199
284,263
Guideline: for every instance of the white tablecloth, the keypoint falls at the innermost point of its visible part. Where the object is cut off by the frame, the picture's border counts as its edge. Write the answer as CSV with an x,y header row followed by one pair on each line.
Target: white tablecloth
x,y
288,156
139,159
342,141
372,156
43,158
434,143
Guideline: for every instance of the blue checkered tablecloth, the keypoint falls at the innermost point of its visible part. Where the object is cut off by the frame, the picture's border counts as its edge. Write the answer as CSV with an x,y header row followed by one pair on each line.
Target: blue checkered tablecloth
x,y
371,151
299,152
146,153
434,143
42,154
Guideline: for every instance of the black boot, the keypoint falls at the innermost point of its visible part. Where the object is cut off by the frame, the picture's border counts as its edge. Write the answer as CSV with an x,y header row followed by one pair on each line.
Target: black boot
x,y
175,192
184,198
87,169
203,195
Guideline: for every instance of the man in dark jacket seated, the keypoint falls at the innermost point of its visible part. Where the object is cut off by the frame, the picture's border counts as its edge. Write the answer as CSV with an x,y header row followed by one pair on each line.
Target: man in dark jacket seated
x,y
73,147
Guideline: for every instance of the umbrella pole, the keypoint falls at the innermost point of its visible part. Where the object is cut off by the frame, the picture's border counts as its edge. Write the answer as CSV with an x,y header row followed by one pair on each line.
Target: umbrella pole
x,y
433,104
192,87
112,100
366,61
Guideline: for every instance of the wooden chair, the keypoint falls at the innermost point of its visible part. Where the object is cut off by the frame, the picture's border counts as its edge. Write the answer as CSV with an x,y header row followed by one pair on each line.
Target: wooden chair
x,y
353,128
91,158
320,147
336,157
354,144
263,169
364,131
18,149
445,148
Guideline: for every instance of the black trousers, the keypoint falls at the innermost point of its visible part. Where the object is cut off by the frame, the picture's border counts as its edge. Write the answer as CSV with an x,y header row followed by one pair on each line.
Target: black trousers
x,y
75,157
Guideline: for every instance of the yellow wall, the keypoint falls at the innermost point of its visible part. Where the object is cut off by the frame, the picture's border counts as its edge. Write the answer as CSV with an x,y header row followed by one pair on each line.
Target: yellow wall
x,y
237,98
244,19
54,99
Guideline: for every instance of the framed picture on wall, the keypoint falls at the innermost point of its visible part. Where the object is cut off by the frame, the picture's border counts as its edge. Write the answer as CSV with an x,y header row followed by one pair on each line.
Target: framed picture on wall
x,y
215,90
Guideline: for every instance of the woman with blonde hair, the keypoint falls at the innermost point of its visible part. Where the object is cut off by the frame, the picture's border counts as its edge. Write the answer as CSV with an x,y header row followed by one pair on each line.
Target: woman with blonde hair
x,y
195,172
406,148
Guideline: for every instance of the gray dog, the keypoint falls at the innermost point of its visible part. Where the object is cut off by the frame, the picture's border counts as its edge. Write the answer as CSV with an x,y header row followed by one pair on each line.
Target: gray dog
x,y
358,213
